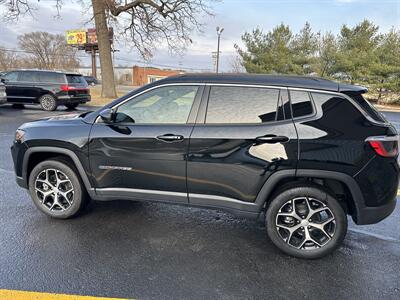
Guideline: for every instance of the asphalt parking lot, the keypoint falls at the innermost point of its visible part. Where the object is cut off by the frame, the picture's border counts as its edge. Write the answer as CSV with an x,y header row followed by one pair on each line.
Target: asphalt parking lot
x,y
157,251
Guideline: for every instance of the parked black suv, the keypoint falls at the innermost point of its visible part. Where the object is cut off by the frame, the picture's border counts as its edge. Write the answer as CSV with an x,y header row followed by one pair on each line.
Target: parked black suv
x,y
49,88
308,151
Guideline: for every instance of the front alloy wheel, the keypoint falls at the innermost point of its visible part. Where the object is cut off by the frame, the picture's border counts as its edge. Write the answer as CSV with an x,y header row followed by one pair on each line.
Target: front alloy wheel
x,y
306,221
56,188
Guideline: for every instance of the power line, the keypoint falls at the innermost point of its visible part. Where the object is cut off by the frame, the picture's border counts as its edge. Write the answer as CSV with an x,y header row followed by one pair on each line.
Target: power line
x,y
132,61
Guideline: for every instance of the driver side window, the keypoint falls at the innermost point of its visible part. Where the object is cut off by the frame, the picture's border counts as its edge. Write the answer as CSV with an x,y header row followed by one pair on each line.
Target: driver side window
x,y
169,104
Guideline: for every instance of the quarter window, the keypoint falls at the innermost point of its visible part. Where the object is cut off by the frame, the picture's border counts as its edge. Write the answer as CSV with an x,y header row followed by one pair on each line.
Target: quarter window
x,y
233,105
171,104
301,104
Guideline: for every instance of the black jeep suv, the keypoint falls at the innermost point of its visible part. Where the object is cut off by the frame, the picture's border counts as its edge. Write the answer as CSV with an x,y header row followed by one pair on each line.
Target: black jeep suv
x,y
306,151
48,88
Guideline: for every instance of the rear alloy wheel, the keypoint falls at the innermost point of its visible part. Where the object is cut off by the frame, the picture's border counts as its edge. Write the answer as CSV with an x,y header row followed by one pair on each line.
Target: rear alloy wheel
x,y
306,222
48,102
56,189
71,105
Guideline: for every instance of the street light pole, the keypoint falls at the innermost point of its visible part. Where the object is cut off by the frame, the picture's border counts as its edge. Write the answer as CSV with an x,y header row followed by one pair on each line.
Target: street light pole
x,y
219,32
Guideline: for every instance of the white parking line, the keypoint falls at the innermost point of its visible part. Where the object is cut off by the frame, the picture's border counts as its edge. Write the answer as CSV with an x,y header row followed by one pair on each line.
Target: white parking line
x,y
375,235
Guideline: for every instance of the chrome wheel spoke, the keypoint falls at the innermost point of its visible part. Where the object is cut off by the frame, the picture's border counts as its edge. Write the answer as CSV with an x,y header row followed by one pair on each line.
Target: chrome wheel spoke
x,y
55,189
305,223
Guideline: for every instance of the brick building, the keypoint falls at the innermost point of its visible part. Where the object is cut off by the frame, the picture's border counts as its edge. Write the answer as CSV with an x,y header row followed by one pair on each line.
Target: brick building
x,y
145,75
133,76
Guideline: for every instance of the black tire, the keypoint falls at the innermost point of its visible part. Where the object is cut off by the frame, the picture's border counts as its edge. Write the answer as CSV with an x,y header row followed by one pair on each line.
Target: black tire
x,y
320,199
71,105
48,102
78,199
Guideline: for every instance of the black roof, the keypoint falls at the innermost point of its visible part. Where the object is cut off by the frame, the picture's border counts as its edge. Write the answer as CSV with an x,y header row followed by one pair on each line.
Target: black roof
x,y
307,82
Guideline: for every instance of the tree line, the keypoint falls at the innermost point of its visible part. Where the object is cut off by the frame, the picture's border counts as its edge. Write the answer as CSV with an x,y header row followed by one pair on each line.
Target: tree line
x,y
40,50
358,55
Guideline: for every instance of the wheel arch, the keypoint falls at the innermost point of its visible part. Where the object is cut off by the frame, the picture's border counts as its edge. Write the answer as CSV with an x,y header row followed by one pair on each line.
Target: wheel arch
x,y
46,152
280,178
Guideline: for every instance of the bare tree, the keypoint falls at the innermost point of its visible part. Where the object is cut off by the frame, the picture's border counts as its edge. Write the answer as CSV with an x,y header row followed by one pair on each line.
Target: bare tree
x,y
145,23
48,51
8,59
236,63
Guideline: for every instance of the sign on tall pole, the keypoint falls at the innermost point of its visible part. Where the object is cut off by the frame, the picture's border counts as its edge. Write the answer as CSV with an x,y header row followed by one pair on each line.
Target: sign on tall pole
x,y
87,40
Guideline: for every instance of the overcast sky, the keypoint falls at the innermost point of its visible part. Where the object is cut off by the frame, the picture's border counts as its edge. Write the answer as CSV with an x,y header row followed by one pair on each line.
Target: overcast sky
x,y
236,16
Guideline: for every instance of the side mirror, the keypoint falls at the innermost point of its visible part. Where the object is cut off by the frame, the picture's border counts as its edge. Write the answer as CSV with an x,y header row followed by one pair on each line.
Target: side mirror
x,y
107,115
3,80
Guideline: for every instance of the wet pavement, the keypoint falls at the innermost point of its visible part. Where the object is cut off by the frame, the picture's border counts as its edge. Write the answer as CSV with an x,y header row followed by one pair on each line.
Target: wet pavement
x,y
158,251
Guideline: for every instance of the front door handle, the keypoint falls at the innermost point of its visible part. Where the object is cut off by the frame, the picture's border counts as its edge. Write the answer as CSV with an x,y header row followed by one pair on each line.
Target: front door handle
x,y
170,137
271,139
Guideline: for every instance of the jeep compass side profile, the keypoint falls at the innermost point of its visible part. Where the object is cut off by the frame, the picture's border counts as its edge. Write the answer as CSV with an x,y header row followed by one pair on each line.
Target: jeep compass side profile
x,y
306,151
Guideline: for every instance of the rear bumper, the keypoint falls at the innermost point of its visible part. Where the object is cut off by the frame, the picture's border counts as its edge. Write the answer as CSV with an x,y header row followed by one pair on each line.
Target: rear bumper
x,y
372,215
67,99
378,182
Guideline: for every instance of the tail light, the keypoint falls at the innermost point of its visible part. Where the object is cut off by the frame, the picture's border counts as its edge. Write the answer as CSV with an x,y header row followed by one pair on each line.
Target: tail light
x,y
386,146
66,88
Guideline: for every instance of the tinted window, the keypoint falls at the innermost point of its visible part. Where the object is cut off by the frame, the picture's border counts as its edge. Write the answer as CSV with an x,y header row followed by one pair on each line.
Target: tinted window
x,y
51,77
76,79
164,105
12,76
301,104
241,105
29,76
368,108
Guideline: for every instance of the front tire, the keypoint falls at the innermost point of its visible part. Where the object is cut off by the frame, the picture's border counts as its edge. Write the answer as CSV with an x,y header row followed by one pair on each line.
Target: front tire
x,y
305,221
48,102
56,189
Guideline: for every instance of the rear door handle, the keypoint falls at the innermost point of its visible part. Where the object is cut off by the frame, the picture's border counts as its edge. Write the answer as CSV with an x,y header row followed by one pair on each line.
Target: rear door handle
x,y
271,139
170,137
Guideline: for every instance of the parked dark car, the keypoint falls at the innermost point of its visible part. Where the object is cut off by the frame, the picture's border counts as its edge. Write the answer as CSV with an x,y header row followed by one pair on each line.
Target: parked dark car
x,y
48,88
91,80
3,95
306,151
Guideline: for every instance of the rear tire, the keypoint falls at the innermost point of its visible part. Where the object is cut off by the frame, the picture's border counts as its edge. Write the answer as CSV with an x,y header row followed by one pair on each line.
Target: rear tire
x,y
71,105
305,221
48,102
56,189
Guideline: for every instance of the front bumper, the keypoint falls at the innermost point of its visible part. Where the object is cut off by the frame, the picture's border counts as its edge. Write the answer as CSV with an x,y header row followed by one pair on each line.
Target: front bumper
x,y
21,182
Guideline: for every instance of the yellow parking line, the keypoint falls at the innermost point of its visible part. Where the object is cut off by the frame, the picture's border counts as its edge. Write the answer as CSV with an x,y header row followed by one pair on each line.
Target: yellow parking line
x,y
25,295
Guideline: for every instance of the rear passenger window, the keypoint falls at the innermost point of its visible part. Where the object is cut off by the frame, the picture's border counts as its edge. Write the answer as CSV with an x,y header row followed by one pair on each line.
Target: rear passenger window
x,y
51,77
301,104
29,77
233,105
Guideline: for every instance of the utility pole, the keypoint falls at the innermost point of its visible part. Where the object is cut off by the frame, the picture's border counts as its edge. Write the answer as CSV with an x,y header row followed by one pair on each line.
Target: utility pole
x,y
94,65
219,32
